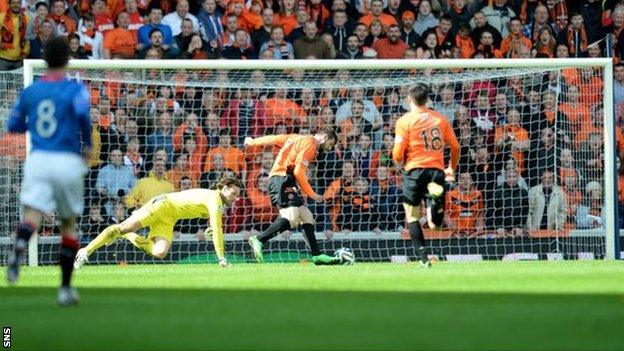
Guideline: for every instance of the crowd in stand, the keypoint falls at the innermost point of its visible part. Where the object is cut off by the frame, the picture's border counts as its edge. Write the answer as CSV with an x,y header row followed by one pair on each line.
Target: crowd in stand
x,y
532,145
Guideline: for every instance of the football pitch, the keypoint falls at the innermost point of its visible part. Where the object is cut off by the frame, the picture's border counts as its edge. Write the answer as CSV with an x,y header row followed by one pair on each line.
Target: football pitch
x,y
571,305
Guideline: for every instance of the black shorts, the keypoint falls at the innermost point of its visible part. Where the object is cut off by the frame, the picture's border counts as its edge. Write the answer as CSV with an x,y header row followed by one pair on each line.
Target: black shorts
x,y
284,191
415,184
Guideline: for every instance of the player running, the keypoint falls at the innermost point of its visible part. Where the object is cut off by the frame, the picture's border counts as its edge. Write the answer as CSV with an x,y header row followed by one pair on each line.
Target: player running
x,y
421,136
162,212
289,173
55,111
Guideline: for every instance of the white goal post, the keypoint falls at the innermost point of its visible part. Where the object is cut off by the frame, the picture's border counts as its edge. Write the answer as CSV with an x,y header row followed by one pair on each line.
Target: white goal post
x,y
610,176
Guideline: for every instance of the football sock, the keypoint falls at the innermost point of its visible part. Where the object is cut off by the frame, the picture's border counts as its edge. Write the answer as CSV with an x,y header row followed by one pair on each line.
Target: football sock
x,y
107,236
280,225
308,232
69,247
140,242
24,232
437,212
418,239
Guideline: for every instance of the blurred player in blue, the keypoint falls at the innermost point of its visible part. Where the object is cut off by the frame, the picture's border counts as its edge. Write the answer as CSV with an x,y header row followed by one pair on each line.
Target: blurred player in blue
x,y
55,111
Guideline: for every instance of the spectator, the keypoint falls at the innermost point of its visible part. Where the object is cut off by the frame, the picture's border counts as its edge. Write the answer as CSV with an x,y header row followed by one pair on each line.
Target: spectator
x,y
189,128
511,204
393,9
362,32
299,30
91,40
392,47
311,44
376,13
284,111
103,22
76,51
369,112
425,19
592,12
498,15
357,211
156,43
183,40
510,165
591,157
277,46
515,39
485,49
95,222
480,24
460,11
376,32
484,172
540,21
210,19
114,181
182,170
590,214
542,156
362,155
120,42
286,17
575,36
618,84
545,44
577,113
340,30
429,49
512,140
233,156
119,213
196,154
197,50
532,113
339,192
136,20
146,188
409,36
155,22
132,158
14,46
385,201
251,17
64,25
174,20
465,208
446,39
446,104
263,211
33,28
548,209
464,42
262,34
483,116
241,49
354,126
162,137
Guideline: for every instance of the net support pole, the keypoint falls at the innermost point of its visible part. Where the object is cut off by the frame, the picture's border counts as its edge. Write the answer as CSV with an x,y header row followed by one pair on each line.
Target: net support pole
x,y
612,232
33,244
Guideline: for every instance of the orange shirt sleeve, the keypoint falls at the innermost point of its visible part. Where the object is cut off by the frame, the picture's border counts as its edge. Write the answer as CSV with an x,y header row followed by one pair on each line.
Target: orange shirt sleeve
x,y
400,141
301,168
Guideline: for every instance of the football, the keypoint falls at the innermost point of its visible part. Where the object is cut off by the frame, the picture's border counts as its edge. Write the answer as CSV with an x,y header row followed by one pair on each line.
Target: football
x,y
346,256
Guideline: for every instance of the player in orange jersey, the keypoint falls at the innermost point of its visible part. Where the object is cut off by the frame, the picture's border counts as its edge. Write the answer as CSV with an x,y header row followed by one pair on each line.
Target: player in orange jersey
x,y
421,136
287,177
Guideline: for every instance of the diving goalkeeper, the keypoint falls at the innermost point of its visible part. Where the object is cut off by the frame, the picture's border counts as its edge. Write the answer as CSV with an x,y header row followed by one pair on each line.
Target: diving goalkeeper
x,y
161,213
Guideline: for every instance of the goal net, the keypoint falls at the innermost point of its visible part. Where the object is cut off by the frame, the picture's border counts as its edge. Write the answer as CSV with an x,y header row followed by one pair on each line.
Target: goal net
x,y
535,179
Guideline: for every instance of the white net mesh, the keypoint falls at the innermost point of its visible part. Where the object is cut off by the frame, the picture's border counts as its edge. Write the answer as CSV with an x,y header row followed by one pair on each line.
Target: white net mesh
x,y
530,178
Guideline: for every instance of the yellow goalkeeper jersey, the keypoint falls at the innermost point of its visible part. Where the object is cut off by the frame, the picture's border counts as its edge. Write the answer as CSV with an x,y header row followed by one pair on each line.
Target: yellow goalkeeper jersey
x,y
200,203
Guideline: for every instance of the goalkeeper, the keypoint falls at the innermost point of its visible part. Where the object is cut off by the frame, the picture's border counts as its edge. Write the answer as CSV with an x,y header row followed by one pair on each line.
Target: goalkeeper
x,y
289,173
161,213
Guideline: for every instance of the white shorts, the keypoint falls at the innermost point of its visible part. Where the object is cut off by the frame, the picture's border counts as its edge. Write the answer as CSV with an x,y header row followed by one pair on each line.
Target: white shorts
x,y
54,181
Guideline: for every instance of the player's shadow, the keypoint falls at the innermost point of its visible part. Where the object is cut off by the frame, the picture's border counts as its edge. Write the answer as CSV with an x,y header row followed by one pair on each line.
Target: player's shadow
x,y
183,319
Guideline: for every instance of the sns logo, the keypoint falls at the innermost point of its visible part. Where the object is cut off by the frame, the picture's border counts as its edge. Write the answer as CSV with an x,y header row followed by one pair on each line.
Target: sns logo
x,y
6,337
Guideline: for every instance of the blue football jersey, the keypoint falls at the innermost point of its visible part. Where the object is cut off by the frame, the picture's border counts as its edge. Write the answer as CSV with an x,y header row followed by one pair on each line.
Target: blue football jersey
x,y
56,113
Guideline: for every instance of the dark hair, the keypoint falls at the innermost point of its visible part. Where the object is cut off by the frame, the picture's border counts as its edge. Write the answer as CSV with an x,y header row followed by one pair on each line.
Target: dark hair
x,y
154,31
41,3
56,53
230,182
329,131
419,94
446,18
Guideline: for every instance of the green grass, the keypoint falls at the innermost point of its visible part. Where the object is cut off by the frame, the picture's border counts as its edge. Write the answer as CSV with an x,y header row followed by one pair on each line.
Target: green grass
x,y
576,305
